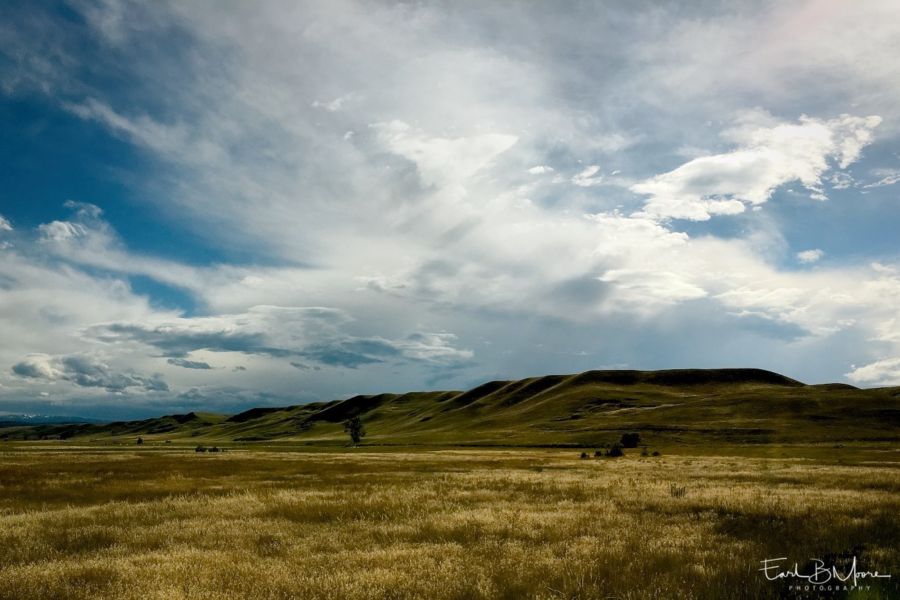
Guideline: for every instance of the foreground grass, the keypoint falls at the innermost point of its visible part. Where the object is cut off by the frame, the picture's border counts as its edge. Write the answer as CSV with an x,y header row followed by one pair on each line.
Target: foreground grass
x,y
440,524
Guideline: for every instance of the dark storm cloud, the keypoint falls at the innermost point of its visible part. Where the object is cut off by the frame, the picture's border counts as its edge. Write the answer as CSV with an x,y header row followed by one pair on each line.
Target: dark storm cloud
x,y
188,364
85,371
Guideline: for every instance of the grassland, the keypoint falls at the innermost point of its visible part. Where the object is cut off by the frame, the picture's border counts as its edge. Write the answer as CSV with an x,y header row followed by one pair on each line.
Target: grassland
x,y
465,495
161,521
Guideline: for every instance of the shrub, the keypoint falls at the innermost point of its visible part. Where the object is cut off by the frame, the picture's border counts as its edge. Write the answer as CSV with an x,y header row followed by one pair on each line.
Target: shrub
x,y
140,441
655,453
630,440
598,453
214,449
615,450
584,455
200,449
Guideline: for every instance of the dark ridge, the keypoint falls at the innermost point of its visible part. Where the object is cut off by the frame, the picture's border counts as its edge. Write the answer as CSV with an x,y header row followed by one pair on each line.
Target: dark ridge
x,y
532,387
444,396
182,419
474,394
684,377
435,396
834,386
611,377
707,376
253,413
351,408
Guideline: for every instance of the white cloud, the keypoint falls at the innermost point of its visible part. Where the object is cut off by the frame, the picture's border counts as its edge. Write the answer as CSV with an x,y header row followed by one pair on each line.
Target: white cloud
x,y
540,169
334,105
885,372
142,128
588,177
4,224
443,161
888,177
61,231
810,256
768,155
648,287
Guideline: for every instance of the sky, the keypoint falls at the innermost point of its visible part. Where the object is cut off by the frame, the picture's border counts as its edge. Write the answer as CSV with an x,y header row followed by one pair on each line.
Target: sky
x,y
214,205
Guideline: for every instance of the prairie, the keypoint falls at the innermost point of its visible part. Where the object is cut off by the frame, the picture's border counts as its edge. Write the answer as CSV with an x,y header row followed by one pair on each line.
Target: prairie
x,y
161,521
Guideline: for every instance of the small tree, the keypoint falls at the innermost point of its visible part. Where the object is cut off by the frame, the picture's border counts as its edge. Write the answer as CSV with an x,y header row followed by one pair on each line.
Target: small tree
x,y
140,441
354,426
630,440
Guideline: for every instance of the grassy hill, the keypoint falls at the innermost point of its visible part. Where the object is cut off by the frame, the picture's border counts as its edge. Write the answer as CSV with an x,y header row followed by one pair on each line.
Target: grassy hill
x,y
689,406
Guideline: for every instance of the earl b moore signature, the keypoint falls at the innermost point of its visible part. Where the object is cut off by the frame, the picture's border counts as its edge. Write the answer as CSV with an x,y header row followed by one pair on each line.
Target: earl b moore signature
x,y
817,573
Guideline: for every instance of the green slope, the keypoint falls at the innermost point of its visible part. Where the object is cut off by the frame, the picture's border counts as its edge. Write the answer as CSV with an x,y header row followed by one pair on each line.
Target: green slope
x,y
667,407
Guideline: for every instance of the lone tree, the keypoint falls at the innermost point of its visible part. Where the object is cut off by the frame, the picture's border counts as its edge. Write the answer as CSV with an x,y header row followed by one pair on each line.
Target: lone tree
x,y
630,440
354,426
140,441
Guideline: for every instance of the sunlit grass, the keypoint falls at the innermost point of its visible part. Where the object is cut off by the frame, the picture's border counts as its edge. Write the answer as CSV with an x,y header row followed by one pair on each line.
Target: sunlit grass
x,y
451,524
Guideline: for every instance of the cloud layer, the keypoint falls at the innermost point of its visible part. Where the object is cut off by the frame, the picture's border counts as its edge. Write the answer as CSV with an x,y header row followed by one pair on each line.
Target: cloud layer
x,y
486,190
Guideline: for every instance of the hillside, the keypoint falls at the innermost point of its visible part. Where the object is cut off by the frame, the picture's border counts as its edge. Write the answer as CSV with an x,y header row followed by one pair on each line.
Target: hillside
x,y
666,407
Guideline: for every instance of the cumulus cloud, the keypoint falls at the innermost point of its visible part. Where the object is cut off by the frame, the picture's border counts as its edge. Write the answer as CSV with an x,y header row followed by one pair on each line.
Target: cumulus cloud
x,y
85,371
768,155
810,256
87,239
883,372
588,177
4,224
443,161
639,286
540,169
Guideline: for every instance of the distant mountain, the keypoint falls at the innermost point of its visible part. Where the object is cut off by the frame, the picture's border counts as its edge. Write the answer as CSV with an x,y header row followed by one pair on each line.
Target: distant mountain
x,y
687,406
8,420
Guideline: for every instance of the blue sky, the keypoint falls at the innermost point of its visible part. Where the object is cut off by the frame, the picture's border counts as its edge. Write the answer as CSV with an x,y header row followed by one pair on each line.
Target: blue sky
x,y
213,205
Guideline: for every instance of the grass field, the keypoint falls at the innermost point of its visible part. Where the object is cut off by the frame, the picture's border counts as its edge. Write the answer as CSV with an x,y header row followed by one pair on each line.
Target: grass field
x,y
165,522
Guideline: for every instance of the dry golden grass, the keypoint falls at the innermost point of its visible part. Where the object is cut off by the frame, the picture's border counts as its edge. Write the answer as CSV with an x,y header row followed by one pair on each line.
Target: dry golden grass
x,y
432,525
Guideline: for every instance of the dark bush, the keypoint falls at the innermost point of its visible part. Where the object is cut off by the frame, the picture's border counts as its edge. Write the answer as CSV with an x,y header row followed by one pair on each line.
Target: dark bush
x,y
200,449
598,453
140,441
214,449
615,450
630,440
584,455
655,453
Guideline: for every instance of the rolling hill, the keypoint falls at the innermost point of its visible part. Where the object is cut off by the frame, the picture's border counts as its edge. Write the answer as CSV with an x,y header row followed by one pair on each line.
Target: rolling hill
x,y
691,406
